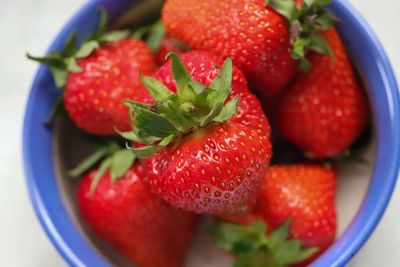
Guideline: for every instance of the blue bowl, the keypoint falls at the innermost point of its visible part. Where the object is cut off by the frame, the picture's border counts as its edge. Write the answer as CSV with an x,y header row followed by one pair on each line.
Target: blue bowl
x,y
370,61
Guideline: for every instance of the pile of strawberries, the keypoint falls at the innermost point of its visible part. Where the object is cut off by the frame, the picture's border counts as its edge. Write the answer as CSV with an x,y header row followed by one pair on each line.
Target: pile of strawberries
x,y
191,134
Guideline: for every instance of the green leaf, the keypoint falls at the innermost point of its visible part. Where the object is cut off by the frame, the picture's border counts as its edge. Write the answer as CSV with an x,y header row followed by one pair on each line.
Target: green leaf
x,y
113,36
60,76
147,151
197,87
156,36
103,21
92,159
304,65
290,252
132,136
105,165
70,45
72,65
217,108
86,49
257,259
325,21
156,88
134,105
299,48
181,75
54,60
58,107
153,124
227,111
279,235
319,44
121,162
255,248
223,82
286,8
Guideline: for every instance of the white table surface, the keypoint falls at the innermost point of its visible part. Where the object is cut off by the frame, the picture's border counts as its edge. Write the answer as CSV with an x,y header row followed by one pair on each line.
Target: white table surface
x,y
28,25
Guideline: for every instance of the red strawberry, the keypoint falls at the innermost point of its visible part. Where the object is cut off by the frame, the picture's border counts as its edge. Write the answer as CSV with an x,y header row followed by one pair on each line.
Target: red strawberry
x,y
93,97
251,32
141,226
98,76
324,111
304,193
209,160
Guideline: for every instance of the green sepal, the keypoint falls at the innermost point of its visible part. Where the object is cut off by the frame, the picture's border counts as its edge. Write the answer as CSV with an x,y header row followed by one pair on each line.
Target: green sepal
x,y
153,124
255,248
156,88
121,161
134,137
306,22
181,75
57,109
112,157
227,111
175,115
102,150
147,151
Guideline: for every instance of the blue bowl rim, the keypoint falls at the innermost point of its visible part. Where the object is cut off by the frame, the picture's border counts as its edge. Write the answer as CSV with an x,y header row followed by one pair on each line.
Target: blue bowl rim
x,y
76,258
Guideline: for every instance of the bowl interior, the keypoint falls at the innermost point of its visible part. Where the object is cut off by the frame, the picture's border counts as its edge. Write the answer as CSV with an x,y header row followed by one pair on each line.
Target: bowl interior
x,y
363,190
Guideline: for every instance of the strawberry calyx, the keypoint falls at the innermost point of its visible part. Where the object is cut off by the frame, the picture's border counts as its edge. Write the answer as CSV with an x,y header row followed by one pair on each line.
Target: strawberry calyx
x,y
62,63
174,115
307,19
256,248
114,158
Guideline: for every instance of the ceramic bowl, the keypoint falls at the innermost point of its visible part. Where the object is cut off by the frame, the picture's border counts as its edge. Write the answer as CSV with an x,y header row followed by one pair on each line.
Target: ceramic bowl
x,y
363,192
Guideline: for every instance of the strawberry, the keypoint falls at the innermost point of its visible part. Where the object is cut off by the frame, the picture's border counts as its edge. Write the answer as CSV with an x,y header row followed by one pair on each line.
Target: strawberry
x,y
264,38
98,76
324,111
207,159
137,223
302,194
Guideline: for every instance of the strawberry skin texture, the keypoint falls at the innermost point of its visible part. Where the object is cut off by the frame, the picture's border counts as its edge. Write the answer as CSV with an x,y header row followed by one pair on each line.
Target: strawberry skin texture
x,y
109,75
141,226
202,66
217,169
304,193
324,111
255,36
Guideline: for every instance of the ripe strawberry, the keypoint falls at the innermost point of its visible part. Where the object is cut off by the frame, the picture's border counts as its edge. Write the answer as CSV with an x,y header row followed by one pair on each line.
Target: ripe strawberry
x,y
252,32
324,111
303,194
208,159
137,223
98,76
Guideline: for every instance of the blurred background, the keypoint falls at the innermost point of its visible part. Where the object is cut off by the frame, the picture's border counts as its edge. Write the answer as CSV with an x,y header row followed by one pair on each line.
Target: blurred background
x,y
28,25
